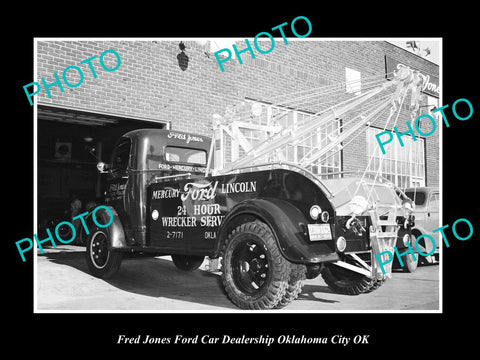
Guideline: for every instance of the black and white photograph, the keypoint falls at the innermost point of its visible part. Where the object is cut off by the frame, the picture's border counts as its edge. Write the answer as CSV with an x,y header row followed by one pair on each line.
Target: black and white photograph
x,y
241,184
233,179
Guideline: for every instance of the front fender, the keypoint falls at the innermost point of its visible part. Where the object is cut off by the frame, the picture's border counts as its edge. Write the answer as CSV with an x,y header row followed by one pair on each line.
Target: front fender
x,y
115,232
288,225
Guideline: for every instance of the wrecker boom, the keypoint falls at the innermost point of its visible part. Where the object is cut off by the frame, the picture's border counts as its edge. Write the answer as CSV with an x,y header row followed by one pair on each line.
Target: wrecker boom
x,y
383,101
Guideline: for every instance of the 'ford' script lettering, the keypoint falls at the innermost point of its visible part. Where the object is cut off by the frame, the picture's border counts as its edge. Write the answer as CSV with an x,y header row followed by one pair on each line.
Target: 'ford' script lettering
x,y
199,191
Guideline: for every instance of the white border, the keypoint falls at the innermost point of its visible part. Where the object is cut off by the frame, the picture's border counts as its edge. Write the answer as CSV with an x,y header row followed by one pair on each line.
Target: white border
x,y
284,311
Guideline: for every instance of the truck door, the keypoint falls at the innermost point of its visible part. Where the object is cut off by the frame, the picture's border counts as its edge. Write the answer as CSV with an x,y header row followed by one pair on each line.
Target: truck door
x,y
183,208
182,211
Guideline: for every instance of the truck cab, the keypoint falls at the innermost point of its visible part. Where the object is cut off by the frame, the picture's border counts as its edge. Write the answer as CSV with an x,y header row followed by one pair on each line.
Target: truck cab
x,y
143,157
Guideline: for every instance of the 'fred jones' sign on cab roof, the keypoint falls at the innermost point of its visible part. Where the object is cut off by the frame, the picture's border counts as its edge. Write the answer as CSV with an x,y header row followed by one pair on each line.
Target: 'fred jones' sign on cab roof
x,y
432,83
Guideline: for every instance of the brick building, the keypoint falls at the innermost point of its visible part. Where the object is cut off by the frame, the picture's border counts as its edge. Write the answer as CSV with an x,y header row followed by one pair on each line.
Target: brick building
x,y
159,85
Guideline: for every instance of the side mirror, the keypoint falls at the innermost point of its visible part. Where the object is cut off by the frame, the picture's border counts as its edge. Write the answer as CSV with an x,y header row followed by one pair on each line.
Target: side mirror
x,y
103,167
91,149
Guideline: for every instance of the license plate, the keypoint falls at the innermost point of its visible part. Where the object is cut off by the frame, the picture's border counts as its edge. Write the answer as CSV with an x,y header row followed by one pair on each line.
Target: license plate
x,y
319,232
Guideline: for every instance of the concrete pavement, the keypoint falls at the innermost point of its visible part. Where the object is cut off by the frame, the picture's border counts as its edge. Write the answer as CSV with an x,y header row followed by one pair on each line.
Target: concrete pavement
x,y
155,284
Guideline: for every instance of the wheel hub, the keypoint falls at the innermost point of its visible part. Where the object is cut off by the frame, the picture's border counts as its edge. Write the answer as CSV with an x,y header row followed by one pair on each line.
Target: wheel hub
x,y
251,266
255,265
99,250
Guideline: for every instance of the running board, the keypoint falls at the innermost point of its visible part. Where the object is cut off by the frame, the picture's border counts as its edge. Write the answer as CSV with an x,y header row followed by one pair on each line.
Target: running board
x,y
353,268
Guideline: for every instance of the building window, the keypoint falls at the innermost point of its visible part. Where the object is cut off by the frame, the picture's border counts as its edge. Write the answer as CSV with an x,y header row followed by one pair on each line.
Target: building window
x,y
403,165
353,83
266,120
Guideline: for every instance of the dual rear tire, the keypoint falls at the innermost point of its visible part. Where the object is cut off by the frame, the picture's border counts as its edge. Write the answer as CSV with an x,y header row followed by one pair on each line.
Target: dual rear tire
x,y
255,274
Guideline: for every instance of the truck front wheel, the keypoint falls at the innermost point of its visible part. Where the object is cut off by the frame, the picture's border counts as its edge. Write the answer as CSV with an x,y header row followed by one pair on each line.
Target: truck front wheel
x,y
101,260
255,274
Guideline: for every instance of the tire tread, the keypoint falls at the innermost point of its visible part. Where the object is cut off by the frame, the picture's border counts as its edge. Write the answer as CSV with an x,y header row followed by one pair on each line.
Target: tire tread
x,y
280,270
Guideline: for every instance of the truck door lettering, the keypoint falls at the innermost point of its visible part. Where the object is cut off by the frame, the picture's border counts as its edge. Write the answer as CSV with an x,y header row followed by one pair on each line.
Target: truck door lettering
x,y
181,221
165,193
239,187
211,221
206,209
198,191
181,210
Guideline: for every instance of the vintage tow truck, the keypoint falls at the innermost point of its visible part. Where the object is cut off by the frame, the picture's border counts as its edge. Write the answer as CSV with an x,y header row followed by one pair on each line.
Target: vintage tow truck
x,y
273,224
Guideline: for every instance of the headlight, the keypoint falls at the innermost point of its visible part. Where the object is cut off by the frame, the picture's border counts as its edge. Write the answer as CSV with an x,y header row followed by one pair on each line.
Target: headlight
x,y
315,212
154,214
341,244
358,205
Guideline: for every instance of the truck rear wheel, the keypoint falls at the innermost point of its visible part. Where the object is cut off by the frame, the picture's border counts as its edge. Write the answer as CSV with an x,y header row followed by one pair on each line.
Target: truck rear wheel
x,y
375,285
347,282
255,274
187,262
295,285
101,260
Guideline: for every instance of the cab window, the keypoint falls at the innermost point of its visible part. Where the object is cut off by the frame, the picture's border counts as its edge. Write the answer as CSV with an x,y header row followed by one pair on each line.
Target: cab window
x,y
185,155
120,155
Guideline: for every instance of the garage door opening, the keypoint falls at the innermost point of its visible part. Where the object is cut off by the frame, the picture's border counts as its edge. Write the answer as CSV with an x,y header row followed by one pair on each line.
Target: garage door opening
x,y
70,143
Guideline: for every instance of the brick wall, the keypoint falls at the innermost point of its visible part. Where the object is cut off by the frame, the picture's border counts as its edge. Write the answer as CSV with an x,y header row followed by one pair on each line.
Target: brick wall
x,y
150,83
